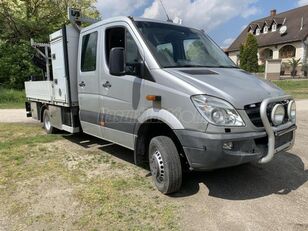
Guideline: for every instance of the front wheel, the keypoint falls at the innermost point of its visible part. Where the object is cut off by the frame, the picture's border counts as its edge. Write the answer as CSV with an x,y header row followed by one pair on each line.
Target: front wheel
x,y
165,164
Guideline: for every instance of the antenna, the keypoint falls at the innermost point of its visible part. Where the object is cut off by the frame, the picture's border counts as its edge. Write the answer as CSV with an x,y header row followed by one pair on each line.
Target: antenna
x,y
168,19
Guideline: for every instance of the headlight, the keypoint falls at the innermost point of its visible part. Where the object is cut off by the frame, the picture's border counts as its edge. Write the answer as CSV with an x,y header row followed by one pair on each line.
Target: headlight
x,y
292,111
217,111
278,114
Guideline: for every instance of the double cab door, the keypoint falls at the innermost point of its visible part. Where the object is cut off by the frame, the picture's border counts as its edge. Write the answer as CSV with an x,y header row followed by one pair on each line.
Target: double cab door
x,y
109,105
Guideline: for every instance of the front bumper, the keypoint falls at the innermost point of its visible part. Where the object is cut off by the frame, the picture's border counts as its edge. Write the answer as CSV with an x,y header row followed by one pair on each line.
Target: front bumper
x,y
206,151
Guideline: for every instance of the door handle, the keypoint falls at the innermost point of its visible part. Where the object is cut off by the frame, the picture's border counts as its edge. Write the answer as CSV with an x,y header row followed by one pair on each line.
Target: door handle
x,y
82,84
107,84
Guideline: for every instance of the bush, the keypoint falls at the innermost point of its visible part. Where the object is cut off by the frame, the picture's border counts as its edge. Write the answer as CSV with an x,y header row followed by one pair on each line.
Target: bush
x,y
305,69
261,68
16,64
10,98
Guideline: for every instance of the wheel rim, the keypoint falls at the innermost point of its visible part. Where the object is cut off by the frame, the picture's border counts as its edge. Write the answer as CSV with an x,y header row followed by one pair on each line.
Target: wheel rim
x,y
47,122
157,166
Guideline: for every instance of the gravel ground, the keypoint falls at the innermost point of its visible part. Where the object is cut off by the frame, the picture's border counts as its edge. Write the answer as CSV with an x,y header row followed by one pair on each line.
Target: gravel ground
x,y
253,197
249,197
14,116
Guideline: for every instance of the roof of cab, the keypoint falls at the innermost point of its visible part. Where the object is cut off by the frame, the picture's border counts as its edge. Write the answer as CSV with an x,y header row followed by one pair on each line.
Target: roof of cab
x,y
128,19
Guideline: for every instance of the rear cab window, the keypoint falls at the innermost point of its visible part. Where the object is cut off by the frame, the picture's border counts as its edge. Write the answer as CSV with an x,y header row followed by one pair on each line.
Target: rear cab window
x,y
89,52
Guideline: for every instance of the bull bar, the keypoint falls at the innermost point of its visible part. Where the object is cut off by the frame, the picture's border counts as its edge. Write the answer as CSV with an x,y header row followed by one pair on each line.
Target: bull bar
x,y
272,132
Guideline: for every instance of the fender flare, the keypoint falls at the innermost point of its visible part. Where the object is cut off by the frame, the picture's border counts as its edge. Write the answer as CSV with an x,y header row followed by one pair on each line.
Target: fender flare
x,y
159,114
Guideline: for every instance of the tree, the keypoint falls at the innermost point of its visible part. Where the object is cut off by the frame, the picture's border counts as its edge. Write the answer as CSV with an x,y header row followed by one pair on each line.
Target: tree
x,y
249,54
243,59
21,20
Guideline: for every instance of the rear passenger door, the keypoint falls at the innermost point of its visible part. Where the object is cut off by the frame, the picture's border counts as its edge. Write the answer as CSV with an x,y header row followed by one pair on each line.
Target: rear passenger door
x,y
121,94
88,82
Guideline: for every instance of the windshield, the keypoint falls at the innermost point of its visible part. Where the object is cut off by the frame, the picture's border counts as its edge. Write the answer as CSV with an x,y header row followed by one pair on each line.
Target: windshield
x,y
178,46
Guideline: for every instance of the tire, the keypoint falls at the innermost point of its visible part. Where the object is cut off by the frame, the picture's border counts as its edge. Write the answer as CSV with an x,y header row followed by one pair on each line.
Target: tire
x,y
47,124
165,165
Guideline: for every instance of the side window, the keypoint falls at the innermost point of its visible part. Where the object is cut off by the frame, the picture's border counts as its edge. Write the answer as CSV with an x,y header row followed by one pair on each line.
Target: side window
x,y
120,37
132,55
89,52
115,37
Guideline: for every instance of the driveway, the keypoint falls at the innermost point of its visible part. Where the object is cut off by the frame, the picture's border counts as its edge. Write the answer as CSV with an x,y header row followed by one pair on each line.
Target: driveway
x,y
14,116
253,197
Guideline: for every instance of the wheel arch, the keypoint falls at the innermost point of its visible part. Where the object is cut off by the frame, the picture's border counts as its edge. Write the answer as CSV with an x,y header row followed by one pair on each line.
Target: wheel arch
x,y
146,131
42,109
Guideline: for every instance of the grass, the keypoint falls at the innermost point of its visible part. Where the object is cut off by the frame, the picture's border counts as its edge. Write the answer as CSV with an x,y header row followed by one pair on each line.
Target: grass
x,y
14,99
297,88
48,181
11,99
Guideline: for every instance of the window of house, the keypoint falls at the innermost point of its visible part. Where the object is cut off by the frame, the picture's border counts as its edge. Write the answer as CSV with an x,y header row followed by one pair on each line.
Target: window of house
x,y
287,51
120,37
274,27
89,52
266,54
258,31
265,30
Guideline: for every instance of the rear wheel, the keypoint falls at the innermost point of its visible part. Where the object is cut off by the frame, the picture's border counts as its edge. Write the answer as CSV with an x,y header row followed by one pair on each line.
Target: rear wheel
x,y
47,124
165,164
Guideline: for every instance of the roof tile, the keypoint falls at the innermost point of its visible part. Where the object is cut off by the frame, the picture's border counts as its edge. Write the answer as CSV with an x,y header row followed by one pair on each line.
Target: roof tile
x,y
292,20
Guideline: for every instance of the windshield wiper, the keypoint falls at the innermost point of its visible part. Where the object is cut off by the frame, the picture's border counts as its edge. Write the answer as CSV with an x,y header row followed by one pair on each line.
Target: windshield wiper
x,y
221,66
188,65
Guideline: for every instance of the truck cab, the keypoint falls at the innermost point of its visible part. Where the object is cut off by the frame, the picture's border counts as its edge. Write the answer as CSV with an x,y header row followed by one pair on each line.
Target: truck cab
x,y
169,93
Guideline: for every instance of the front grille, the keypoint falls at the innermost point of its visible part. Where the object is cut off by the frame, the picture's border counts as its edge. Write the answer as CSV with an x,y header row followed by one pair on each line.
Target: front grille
x,y
253,112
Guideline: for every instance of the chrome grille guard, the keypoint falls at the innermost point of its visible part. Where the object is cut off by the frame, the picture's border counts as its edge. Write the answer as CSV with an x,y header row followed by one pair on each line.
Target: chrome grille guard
x,y
271,131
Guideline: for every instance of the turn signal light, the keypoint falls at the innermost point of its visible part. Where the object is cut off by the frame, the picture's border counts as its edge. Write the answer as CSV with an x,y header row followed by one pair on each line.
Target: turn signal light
x,y
153,98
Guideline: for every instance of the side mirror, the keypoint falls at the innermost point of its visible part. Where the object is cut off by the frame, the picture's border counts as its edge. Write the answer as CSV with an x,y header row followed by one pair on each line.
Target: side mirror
x,y
117,61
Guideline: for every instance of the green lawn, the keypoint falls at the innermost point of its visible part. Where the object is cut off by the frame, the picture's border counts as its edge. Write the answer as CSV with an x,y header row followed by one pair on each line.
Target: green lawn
x,y
297,88
11,99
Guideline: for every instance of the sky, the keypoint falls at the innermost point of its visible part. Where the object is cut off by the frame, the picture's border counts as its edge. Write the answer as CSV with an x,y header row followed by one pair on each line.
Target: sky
x,y
223,20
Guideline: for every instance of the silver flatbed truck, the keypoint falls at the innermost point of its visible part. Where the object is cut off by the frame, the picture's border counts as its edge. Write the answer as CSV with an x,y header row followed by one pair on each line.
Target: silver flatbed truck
x,y
166,91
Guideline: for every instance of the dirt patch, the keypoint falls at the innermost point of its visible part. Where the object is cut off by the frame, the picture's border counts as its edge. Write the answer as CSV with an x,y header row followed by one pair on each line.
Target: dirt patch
x,y
14,116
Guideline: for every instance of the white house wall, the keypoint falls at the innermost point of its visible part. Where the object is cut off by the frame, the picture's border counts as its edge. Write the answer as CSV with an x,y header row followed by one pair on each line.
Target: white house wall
x,y
299,46
234,56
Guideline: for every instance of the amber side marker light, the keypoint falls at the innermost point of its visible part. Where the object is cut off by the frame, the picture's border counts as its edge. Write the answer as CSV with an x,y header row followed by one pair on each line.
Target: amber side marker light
x,y
153,98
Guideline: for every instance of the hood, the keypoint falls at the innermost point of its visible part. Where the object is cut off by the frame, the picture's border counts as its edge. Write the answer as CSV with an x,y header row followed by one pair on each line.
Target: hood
x,y
236,86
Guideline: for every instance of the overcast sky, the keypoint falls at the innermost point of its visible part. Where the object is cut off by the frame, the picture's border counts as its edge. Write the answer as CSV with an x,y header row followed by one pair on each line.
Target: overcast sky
x,y
223,20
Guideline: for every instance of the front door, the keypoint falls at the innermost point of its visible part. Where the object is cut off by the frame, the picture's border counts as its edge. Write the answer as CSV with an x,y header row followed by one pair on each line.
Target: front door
x,y
121,94
88,83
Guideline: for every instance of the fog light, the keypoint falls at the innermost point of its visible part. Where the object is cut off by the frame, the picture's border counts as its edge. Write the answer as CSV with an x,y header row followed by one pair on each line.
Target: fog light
x,y
228,146
278,114
292,111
